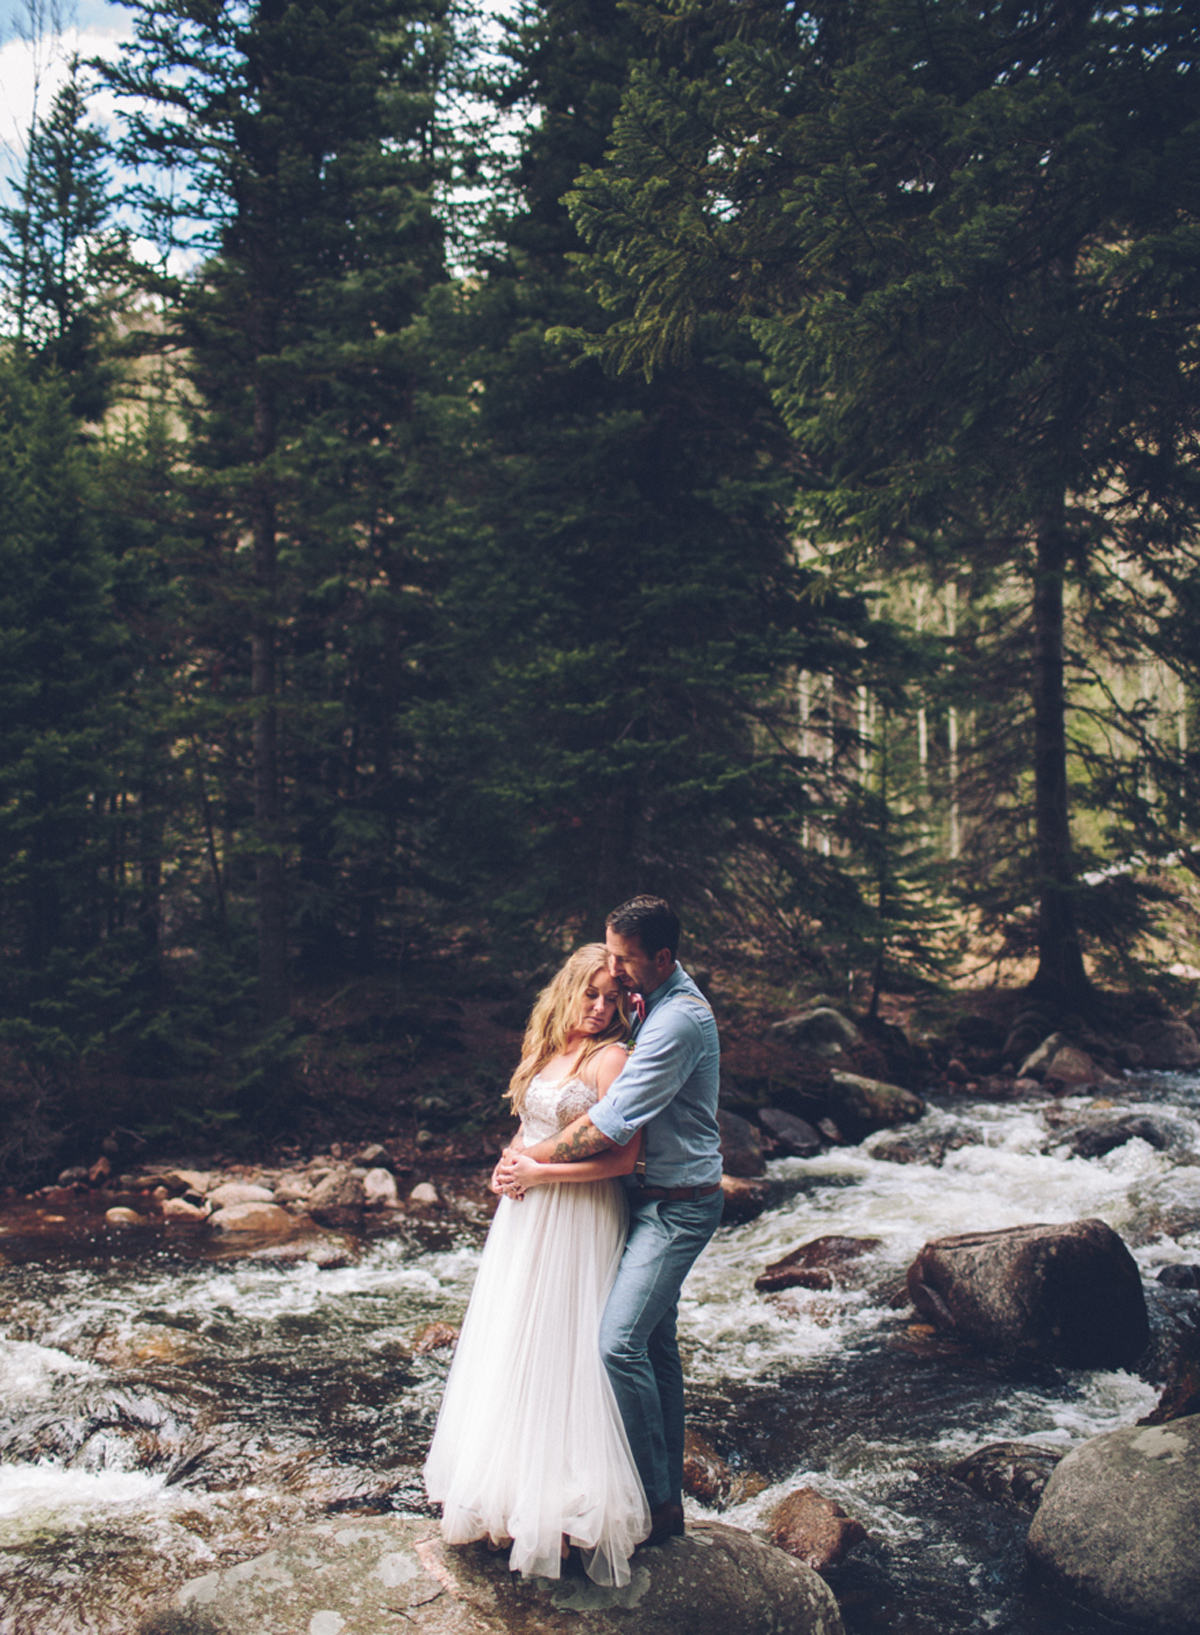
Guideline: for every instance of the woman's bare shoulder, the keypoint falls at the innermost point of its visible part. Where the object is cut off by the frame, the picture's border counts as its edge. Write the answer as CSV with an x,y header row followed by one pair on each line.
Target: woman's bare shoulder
x,y
608,1063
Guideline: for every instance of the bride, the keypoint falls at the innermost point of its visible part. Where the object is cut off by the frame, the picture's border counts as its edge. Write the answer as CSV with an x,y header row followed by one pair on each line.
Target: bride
x,y
529,1447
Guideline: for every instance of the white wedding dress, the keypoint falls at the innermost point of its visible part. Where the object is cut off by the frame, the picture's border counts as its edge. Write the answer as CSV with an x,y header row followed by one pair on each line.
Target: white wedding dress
x,y
529,1444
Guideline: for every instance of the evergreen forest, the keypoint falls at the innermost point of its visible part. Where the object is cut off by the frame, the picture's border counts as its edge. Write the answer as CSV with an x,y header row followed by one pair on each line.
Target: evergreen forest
x,y
459,471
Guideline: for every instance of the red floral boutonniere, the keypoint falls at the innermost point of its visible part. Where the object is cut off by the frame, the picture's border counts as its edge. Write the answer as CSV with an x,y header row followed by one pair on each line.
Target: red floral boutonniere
x,y
638,1006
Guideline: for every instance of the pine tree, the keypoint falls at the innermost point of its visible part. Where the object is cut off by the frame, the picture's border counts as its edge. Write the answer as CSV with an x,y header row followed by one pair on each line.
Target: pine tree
x,y
964,237
609,710
62,673
306,151
65,265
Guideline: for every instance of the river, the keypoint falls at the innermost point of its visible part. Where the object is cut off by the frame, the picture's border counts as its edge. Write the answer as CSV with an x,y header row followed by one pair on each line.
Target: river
x,y
166,1410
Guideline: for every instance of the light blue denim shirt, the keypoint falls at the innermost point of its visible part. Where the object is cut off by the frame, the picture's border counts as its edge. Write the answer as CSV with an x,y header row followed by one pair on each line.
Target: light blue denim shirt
x,y
669,1086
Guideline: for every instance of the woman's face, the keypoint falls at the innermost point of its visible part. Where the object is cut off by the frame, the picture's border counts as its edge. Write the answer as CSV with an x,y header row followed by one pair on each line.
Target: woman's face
x,y
598,1005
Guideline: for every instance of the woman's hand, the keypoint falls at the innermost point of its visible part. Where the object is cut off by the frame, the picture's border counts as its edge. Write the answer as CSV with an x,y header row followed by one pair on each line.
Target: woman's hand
x,y
515,1170
504,1185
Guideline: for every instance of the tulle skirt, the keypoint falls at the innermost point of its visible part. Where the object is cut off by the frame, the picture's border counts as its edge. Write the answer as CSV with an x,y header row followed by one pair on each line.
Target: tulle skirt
x,y
529,1444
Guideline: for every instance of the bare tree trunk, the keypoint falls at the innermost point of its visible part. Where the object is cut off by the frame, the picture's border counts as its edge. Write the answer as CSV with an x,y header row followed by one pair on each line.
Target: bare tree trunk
x,y
952,729
268,816
1061,977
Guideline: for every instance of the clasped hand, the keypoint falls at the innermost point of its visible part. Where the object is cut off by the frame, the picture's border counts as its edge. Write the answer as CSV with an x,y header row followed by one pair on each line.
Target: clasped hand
x,y
514,1174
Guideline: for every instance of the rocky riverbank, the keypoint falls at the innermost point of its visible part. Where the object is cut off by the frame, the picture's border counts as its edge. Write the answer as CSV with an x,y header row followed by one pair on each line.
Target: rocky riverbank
x,y
885,1365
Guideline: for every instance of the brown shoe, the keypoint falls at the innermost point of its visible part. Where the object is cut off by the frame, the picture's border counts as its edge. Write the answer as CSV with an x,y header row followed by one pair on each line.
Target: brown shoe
x,y
665,1522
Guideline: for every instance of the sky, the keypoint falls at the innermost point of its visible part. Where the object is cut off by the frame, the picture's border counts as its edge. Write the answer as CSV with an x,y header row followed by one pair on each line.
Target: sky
x,y
89,28
92,28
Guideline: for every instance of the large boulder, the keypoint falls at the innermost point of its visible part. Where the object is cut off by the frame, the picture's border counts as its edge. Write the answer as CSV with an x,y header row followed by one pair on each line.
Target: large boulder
x,y
338,1200
1067,1294
379,1189
794,1137
383,1573
239,1192
1118,1528
1071,1069
1167,1045
1173,1357
821,1031
861,1105
1038,1060
741,1146
263,1219
745,1198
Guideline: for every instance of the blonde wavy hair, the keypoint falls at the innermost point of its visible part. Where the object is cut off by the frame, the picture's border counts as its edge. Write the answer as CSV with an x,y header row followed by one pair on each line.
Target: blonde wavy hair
x,y
555,1012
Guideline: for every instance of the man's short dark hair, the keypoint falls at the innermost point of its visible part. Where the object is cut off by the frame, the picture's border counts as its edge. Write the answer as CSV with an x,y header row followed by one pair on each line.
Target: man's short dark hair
x,y
651,920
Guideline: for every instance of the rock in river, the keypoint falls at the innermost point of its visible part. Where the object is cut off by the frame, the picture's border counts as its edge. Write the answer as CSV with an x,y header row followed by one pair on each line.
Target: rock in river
x,y
745,1198
1094,1139
863,1105
379,1189
1180,1276
1035,1064
794,1137
1068,1294
178,1209
338,1200
1118,1528
741,1148
239,1192
435,1337
814,1529
1071,1069
815,1265
383,1573
1008,1472
706,1476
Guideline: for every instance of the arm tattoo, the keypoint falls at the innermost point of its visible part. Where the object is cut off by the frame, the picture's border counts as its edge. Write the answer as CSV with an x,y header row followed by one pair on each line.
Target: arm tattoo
x,y
581,1140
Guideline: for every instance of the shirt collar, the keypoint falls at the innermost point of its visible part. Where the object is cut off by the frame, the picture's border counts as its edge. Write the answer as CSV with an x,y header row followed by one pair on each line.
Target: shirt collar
x,y
675,980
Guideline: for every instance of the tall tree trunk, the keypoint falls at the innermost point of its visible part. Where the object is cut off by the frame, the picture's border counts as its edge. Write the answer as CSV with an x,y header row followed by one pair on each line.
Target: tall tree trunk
x,y
268,819
1060,976
150,846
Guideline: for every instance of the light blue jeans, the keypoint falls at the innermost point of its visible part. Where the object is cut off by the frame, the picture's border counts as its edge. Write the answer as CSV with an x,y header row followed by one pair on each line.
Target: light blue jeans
x,y
637,1334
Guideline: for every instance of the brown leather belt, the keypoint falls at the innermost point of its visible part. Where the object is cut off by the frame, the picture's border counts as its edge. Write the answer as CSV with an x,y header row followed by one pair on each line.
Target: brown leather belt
x,y
674,1195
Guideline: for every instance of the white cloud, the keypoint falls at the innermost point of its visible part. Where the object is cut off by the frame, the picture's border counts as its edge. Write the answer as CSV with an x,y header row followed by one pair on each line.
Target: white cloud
x,y
19,71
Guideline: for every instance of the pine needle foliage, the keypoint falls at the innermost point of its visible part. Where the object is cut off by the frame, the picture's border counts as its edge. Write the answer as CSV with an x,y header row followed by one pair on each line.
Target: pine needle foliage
x,y
965,239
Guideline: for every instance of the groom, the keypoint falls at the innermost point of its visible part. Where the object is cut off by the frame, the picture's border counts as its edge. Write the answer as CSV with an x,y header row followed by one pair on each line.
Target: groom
x,y
669,1089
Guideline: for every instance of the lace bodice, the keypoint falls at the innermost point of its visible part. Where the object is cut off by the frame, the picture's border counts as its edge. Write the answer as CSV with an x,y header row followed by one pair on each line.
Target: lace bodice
x,y
551,1104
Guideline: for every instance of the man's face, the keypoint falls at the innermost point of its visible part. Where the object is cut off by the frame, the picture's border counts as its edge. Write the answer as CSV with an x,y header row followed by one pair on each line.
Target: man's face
x,y
632,967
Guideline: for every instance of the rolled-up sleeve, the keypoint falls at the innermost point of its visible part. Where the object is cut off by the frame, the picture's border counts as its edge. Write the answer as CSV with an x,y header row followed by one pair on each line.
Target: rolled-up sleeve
x,y
665,1057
